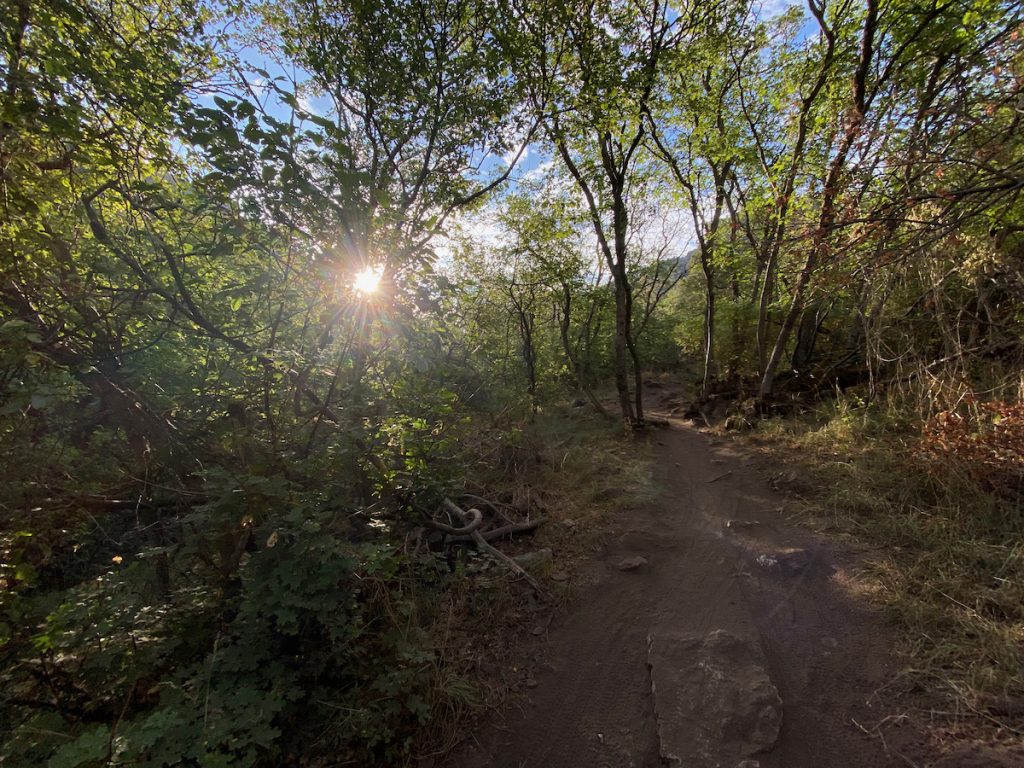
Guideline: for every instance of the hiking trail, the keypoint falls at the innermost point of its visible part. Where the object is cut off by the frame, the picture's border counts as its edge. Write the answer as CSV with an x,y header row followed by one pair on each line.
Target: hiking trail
x,y
717,633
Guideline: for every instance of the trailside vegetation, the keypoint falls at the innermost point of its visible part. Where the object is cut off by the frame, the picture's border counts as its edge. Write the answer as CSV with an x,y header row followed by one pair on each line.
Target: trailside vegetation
x,y
305,306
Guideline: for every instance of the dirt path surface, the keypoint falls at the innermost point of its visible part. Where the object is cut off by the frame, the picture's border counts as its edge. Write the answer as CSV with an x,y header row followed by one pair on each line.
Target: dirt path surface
x,y
720,555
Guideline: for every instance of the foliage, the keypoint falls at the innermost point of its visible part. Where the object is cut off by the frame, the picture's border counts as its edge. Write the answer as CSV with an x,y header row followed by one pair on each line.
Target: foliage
x,y
987,446
219,443
215,670
835,145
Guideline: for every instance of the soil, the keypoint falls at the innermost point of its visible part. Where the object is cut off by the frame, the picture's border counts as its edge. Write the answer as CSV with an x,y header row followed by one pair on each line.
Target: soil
x,y
720,554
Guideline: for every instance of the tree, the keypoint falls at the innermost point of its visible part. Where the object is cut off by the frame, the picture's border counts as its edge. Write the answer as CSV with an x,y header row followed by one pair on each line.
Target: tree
x,y
695,131
590,73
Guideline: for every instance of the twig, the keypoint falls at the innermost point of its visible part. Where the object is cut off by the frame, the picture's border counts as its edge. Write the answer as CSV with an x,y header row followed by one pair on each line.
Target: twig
x,y
720,477
957,602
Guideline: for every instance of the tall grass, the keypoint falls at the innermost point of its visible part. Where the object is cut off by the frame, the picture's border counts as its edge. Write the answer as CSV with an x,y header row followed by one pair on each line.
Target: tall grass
x,y
946,555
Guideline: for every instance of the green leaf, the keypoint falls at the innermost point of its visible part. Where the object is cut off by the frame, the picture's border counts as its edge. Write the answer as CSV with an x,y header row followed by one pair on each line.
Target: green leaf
x,y
89,749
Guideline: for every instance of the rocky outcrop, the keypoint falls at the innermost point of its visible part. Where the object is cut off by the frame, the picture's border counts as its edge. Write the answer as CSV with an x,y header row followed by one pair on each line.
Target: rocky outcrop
x,y
715,703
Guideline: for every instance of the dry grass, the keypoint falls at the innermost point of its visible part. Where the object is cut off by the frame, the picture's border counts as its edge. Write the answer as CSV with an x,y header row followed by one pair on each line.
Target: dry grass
x,y
589,471
946,556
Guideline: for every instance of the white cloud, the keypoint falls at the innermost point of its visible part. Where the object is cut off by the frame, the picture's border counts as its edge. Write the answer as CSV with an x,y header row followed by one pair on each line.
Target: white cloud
x,y
772,8
539,172
510,156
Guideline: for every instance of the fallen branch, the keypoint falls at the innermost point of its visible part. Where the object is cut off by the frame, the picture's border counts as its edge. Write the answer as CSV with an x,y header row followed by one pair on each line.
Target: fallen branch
x,y
483,546
475,516
487,503
505,530
704,416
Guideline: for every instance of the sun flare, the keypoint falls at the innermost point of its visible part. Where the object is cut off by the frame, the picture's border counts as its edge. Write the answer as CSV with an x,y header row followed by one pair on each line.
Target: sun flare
x,y
367,280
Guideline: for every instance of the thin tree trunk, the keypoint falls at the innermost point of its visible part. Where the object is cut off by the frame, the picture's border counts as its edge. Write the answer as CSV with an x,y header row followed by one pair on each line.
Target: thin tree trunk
x,y
709,337
624,347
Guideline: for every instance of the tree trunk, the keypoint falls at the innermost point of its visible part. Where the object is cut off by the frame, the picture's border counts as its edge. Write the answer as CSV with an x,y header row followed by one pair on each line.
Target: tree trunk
x,y
622,351
788,323
530,359
576,356
565,309
806,337
737,329
765,299
524,316
624,348
709,335
638,382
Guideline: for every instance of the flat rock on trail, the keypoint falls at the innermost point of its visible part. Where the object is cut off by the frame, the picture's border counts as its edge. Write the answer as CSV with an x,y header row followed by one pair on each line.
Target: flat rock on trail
x,y
719,561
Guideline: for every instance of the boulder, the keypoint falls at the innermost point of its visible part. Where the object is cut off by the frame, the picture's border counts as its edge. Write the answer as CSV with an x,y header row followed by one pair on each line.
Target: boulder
x,y
715,703
536,559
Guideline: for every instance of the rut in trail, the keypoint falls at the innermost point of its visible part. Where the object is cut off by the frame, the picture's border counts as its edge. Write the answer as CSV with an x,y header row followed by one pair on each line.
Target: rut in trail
x,y
722,562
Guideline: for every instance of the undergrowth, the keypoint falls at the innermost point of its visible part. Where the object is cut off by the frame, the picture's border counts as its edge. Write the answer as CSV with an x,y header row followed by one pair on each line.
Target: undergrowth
x,y
946,551
320,640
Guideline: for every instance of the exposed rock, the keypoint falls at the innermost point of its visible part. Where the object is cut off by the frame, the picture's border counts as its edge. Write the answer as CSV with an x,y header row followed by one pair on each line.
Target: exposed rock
x,y
692,412
741,523
534,559
767,561
715,703
631,563
788,563
794,561
784,480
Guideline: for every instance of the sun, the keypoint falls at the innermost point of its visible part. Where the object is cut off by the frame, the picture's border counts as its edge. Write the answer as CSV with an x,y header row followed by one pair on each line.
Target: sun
x,y
367,280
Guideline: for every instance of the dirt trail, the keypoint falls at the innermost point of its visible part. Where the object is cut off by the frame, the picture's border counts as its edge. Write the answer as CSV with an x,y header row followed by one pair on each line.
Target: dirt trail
x,y
826,653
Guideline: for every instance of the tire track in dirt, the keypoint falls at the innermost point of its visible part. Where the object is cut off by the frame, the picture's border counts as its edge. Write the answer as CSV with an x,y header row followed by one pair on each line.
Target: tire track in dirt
x,y
827,653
